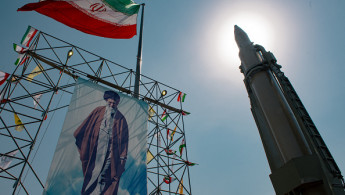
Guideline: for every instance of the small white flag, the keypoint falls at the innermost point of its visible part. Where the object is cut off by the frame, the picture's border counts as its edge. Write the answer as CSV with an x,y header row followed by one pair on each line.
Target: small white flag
x,y
5,161
37,99
158,137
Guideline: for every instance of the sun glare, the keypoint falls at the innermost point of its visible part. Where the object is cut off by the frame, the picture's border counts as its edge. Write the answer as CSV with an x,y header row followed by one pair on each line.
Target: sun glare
x,y
257,27
220,52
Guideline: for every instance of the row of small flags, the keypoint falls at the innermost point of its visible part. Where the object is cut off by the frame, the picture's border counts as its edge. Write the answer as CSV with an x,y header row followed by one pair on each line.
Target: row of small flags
x,y
169,151
36,71
19,124
170,134
26,40
164,115
168,180
3,78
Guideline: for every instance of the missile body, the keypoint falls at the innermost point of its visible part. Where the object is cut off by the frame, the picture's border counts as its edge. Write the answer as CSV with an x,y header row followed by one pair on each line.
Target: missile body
x,y
282,135
299,160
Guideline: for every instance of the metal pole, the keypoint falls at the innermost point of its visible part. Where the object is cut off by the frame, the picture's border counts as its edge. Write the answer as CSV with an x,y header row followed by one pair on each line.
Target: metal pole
x,y
140,47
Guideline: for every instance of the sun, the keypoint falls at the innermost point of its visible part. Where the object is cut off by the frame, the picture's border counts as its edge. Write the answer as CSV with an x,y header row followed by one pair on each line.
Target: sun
x,y
218,46
257,27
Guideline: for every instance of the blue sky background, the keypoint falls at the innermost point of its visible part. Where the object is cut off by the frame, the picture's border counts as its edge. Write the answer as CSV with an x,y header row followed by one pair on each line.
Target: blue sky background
x,y
190,46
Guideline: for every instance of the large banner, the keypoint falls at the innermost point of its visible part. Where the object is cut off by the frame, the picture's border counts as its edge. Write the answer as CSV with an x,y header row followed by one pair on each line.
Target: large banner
x,y
102,146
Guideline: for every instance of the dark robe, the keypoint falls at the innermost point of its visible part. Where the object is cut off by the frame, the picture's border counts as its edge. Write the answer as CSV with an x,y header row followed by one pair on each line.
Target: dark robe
x,y
86,136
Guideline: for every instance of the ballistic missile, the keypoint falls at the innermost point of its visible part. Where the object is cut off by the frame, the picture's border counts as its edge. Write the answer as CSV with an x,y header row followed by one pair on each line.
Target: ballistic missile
x,y
282,136
299,160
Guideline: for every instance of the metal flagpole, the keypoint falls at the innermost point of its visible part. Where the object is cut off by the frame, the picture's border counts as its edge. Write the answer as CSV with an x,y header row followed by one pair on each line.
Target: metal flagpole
x,y
140,46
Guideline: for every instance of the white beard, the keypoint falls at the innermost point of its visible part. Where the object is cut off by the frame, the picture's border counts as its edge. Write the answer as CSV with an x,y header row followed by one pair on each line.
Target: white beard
x,y
108,111
108,117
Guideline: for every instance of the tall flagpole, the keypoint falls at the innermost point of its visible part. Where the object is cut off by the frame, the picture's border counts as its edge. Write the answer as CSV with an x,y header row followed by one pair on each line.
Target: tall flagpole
x,y
140,47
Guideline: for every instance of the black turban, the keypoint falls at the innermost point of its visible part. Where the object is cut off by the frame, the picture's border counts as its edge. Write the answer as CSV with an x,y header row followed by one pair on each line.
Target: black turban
x,y
113,95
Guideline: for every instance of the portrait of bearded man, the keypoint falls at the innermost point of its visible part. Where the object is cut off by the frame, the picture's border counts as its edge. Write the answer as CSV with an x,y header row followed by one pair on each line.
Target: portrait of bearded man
x,y
102,142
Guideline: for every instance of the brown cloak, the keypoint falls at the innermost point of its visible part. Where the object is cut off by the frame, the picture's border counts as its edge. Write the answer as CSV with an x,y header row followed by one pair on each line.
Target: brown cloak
x,y
86,136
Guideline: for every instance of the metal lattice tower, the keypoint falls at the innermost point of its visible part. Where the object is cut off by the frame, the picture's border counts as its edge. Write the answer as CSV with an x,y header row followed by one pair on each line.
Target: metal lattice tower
x,y
54,80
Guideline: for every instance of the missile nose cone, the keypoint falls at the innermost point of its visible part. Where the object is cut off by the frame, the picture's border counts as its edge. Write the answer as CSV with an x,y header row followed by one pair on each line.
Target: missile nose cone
x,y
241,37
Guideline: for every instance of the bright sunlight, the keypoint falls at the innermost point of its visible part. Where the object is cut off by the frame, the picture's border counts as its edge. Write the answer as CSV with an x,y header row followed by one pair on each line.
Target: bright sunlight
x,y
257,27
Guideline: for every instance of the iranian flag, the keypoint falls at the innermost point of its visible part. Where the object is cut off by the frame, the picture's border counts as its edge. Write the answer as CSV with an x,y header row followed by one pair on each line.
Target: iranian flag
x,y
168,179
173,133
28,36
19,49
170,151
189,163
170,135
105,18
3,77
21,59
181,97
44,114
2,97
182,145
164,116
184,113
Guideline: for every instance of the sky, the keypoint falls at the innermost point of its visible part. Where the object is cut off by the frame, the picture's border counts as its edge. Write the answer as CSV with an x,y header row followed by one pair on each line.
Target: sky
x,y
190,45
